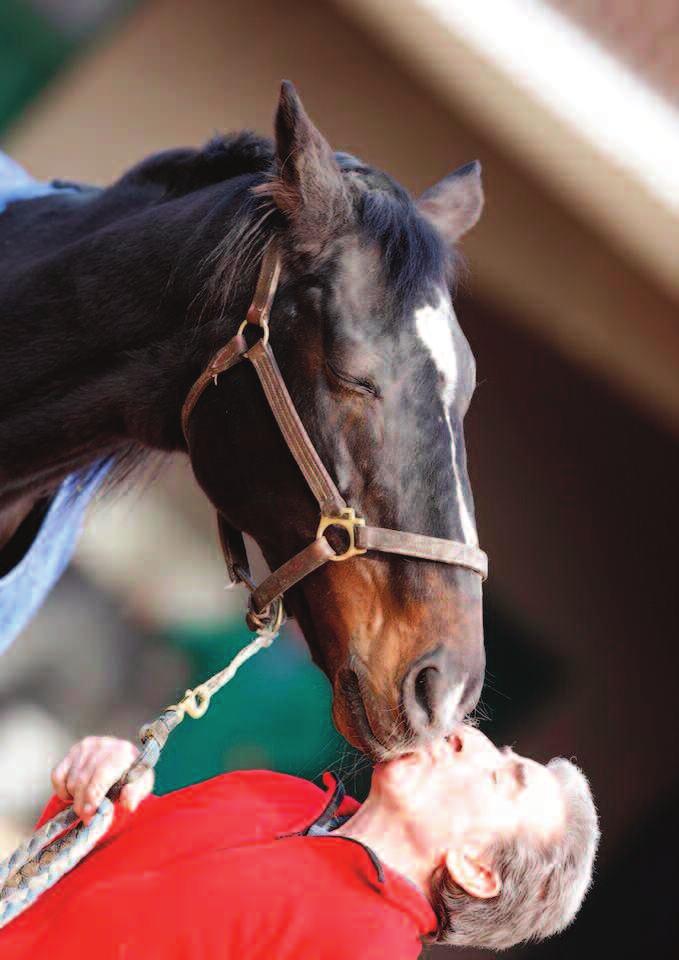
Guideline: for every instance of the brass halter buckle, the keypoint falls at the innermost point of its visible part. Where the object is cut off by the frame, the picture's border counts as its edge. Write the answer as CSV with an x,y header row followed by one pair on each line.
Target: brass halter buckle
x,y
348,521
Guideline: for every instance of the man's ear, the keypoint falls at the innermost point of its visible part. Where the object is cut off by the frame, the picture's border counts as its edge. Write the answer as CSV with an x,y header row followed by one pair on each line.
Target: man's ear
x,y
454,205
470,868
308,187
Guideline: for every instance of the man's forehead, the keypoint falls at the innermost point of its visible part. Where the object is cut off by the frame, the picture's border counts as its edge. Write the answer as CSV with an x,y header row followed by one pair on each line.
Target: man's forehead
x,y
542,801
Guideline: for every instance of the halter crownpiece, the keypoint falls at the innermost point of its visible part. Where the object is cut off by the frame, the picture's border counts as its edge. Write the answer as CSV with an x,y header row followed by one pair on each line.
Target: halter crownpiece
x,y
334,511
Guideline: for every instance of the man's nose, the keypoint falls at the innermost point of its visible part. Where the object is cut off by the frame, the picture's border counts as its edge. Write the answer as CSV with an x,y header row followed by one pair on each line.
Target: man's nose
x,y
436,694
470,742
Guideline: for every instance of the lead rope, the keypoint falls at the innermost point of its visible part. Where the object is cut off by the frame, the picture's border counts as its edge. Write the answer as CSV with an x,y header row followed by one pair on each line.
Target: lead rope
x,y
50,853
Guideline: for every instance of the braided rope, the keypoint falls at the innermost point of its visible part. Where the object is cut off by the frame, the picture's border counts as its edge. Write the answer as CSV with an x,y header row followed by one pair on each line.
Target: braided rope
x,y
62,842
45,860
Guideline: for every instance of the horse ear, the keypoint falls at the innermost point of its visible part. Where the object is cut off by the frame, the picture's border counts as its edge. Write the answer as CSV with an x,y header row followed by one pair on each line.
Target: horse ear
x,y
308,187
454,205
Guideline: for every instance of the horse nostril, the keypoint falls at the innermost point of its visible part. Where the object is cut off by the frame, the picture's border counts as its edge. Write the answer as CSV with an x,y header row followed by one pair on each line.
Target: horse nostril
x,y
426,683
435,691
430,693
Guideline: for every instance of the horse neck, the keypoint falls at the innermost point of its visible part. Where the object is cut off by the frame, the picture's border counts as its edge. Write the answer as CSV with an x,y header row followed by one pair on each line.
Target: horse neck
x,y
101,336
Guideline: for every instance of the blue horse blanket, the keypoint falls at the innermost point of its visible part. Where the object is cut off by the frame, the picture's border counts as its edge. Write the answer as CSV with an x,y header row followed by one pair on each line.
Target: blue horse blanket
x,y
24,588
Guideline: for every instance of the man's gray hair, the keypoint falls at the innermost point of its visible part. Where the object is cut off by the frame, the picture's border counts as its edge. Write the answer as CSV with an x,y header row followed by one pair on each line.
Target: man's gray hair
x,y
543,884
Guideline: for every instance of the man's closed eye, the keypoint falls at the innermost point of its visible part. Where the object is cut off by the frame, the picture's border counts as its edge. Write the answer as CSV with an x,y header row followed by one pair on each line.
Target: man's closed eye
x,y
515,771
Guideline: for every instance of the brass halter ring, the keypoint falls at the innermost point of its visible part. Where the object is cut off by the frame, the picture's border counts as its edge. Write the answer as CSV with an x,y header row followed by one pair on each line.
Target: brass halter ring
x,y
348,521
268,621
255,318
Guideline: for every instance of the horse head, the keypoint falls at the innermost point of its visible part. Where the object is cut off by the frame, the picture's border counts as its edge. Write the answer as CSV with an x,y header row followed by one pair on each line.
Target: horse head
x,y
365,334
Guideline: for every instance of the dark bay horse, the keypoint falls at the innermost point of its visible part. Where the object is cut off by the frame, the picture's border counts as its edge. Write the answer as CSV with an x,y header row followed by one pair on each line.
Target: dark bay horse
x,y
113,300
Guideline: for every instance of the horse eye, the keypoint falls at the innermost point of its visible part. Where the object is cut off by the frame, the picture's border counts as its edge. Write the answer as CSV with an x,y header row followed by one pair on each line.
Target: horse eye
x,y
360,384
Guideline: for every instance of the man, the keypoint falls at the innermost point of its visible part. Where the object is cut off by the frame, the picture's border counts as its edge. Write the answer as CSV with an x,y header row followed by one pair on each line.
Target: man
x,y
462,844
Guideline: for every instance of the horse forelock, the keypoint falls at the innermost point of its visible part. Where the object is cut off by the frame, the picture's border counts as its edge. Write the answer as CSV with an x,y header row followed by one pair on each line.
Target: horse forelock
x,y
412,253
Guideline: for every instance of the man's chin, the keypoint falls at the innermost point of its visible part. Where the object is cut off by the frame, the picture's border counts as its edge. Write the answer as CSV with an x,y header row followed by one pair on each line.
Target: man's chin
x,y
401,768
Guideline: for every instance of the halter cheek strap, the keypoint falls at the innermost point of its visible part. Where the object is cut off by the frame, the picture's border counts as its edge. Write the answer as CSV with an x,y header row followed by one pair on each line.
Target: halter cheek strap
x,y
266,607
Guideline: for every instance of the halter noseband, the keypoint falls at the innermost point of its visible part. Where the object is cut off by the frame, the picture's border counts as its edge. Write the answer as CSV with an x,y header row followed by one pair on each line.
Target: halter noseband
x,y
334,511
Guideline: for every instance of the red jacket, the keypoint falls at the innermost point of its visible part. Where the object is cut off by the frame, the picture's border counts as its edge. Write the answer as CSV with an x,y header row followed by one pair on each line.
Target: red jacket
x,y
223,870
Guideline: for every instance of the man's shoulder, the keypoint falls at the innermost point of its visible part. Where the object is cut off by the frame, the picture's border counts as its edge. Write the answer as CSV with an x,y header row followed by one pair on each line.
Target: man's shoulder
x,y
257,783
275,802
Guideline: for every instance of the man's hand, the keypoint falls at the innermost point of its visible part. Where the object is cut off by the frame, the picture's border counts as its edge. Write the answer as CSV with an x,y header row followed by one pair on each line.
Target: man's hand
x,y
89,770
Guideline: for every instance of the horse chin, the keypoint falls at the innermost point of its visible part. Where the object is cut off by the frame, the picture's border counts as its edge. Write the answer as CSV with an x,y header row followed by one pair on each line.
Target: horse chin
x,y
353,722
356,729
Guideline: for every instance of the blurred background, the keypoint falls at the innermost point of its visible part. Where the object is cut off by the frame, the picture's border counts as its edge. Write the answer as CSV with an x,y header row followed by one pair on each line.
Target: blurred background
x,y
571,309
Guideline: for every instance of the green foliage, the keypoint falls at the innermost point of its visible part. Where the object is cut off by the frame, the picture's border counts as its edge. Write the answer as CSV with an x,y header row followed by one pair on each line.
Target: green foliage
x,y
31,51
35,46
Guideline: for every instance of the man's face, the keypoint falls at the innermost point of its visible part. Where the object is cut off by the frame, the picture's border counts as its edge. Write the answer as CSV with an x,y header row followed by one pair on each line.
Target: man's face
x,y
464,788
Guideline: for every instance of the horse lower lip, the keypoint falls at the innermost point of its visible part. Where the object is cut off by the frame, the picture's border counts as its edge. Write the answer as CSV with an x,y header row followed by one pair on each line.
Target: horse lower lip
x,y
365,732
352,694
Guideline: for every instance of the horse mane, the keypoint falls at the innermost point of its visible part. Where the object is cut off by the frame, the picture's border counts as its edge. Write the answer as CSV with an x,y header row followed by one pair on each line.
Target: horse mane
x,y
133,464
175,173
184,169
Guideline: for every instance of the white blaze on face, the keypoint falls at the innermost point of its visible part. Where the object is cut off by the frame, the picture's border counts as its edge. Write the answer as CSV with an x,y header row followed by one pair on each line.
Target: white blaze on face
x,y
434,325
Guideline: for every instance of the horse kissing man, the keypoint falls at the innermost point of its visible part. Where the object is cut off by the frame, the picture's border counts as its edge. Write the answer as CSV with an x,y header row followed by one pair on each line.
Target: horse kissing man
x,y
457,843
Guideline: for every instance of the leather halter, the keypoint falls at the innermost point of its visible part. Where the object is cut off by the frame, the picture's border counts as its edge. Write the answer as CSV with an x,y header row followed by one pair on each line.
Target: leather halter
x,y
334,511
